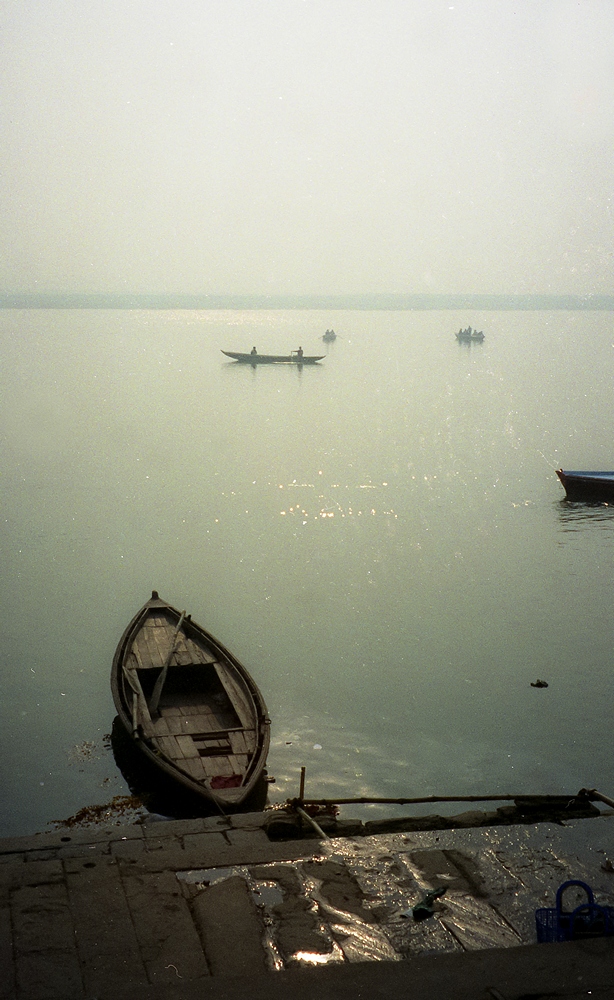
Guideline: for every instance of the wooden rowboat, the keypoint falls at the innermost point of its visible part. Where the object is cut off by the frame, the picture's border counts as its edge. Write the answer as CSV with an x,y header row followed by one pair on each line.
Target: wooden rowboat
x,y
587,485
189,705
274,359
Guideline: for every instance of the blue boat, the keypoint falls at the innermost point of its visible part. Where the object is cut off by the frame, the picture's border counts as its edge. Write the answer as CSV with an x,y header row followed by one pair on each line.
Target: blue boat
x,y
587,485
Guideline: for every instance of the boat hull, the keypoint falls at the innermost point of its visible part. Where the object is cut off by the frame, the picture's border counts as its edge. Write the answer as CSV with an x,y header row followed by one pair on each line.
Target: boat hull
x,y
190,706
273,359
587,485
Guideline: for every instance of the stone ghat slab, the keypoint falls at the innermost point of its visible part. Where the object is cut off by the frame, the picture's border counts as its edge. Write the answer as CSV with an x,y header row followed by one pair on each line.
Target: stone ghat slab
x,y
277,824
164,909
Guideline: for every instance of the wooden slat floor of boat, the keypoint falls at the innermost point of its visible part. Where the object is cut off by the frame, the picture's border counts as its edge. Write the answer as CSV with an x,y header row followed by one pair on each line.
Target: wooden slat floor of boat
x,y
205,754
177,747
175,721
214,716
200,768
238,742
154,645
194,706
153,642
195,768
194,725
210,767
151,646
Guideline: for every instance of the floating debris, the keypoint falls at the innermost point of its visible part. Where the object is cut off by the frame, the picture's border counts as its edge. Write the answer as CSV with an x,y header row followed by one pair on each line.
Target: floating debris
x,y
81,752
120,809
539,684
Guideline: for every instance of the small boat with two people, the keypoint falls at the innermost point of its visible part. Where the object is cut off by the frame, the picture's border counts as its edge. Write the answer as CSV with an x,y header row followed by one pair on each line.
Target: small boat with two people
x,y
581,485
294,358
329,336
467,335
190,706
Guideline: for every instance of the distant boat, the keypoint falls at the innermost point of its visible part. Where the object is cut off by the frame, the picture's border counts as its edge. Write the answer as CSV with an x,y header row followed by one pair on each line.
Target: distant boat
x,y
469,334
294,358
190,706
581,485
329,336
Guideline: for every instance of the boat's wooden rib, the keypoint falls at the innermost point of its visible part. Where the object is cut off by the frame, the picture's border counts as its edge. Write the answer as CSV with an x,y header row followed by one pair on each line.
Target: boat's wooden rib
x,y
191,706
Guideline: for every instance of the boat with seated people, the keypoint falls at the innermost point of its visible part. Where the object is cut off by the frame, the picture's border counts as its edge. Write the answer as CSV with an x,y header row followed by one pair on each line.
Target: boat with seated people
x,y
589,485
469,334
190,706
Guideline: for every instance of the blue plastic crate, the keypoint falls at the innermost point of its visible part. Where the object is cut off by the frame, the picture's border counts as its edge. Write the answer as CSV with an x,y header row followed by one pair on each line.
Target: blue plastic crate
x,y
587,920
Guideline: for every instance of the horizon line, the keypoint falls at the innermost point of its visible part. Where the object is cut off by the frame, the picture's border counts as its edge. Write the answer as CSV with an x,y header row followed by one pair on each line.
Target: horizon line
x,y
391,301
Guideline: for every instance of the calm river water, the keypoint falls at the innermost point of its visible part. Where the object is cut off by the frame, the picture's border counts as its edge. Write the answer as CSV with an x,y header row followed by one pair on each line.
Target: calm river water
x,y
382,540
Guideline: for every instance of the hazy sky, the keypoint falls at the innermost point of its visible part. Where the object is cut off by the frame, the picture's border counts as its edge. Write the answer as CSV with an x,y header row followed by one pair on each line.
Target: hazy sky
x,y
307,146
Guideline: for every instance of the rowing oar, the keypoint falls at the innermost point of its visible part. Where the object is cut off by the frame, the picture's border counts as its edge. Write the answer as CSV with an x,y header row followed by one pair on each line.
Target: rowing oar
x,y
157,691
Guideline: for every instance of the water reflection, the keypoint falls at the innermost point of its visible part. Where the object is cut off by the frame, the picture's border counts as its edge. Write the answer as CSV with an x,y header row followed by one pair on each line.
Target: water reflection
x,y
254,366
576,514
160,794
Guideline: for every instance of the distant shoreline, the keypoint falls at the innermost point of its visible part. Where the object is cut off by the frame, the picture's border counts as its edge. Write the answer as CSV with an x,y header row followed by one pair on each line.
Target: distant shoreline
x,y
389,302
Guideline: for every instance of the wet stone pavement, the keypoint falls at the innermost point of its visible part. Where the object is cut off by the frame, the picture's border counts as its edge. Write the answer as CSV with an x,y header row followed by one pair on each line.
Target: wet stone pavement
x,y
165,909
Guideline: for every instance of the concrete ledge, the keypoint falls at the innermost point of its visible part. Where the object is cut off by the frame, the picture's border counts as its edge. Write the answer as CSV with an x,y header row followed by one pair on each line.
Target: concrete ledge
x,y
568,972
183,827
112,912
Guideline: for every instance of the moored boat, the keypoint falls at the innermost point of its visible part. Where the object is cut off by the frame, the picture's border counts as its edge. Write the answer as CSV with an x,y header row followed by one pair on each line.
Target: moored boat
x,y
190,706
294,358
587,485
329,336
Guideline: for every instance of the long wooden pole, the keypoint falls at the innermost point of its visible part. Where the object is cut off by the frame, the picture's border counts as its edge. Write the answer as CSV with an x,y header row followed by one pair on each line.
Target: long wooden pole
x,y
594,794
318,829
365,799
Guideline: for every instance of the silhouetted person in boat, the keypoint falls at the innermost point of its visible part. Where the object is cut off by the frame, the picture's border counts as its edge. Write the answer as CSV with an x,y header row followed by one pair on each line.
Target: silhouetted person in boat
x,y
299,354
253,351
